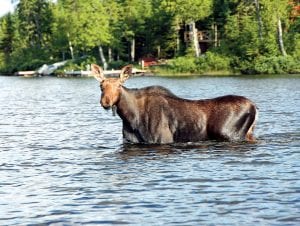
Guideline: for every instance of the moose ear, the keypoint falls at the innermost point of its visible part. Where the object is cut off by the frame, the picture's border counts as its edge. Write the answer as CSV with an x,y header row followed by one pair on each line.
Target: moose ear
x,y
125,73
97,72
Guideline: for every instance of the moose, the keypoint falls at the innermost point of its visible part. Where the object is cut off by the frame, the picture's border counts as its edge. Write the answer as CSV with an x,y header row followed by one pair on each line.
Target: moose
x,y
154,115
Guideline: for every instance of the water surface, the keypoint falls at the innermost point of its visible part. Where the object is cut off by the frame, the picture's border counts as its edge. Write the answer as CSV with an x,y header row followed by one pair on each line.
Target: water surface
x,y
63,159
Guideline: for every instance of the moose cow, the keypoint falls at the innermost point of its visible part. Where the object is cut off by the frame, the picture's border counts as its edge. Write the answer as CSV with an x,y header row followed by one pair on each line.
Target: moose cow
x,y
156,115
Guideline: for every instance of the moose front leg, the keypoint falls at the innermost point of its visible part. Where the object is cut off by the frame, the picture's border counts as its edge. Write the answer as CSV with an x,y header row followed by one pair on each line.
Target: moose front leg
x,y
130,135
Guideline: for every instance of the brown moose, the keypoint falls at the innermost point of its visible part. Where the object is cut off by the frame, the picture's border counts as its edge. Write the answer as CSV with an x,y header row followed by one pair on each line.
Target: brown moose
x,y
155,115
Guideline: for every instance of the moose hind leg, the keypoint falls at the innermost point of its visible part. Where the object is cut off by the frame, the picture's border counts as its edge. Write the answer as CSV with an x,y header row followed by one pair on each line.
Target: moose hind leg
x,y
245,125
249,135
249,125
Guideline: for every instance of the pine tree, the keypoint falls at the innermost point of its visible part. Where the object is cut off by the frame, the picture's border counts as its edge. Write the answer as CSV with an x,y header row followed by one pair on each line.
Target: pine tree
x,y
84,23
35,18
190,11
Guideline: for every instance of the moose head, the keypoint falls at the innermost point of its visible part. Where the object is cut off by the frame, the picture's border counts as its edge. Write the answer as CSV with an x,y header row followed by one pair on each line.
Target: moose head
x,y
110,87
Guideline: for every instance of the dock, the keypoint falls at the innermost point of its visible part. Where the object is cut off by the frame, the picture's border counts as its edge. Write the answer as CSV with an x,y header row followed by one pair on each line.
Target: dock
x,y
44,70
27,73
108,73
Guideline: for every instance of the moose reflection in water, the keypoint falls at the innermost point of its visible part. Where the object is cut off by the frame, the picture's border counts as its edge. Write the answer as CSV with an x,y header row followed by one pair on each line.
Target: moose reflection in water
x,y
155,115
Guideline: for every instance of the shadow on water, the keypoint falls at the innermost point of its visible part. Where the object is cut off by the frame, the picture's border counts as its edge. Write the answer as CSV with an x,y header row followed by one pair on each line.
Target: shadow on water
x,y
128,150
266,145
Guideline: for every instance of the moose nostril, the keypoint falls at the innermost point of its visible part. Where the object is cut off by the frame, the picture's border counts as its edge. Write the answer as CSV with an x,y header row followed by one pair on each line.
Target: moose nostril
x,y
105,102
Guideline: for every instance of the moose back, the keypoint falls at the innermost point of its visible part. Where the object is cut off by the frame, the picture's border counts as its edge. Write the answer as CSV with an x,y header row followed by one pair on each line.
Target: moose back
x,y
155,115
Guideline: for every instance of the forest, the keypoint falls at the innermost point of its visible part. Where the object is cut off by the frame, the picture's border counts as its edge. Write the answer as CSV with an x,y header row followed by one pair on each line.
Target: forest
x,y
188,36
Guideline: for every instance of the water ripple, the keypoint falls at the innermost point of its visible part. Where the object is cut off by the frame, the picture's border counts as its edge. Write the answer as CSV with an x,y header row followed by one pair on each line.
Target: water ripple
x,y
63,161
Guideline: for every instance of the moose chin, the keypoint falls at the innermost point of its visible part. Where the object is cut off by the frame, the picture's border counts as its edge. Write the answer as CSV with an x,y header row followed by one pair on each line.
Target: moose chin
x,y
154,115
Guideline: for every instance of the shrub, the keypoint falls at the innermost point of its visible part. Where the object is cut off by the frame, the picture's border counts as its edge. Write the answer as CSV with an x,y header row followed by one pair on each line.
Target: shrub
x,y
276,65
78,64
183,65
213,62
116,64
209,62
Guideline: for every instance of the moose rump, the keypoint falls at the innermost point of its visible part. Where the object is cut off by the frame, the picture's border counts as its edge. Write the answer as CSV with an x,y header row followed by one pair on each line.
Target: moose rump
x,y
155,115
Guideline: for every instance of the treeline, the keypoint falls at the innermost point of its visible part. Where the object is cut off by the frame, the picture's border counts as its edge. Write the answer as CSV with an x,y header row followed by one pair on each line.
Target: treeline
x,y
247,36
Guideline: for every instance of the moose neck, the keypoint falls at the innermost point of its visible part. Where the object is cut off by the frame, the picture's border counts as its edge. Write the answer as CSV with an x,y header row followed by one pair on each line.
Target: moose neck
x,y
127,106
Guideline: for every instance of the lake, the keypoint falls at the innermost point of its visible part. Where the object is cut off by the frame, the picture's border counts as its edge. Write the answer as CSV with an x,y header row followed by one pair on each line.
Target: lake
x,y
63,161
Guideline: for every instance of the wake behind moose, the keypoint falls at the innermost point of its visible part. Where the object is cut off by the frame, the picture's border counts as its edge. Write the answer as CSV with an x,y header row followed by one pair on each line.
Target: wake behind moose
x,y
155,115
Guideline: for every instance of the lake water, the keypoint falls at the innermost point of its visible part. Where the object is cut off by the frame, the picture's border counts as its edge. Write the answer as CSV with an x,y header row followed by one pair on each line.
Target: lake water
x,y
63,162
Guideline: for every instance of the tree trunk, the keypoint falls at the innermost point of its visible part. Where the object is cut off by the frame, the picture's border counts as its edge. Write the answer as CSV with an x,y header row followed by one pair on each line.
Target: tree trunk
x,y
215,29
110,55
177,37
195,39
259,20
177,44
158,52
132,49
102,57
70,46
280,39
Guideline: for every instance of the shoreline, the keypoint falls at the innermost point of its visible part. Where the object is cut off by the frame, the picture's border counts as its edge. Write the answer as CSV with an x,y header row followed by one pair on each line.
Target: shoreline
x,y
220,74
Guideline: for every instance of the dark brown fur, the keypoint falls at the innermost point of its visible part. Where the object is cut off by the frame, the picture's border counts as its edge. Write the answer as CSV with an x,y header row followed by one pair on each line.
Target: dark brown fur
x,y
155,115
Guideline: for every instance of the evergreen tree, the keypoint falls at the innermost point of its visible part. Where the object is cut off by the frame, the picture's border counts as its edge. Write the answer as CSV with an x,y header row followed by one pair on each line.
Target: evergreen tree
x,y
6,39
84,23
255,34
134,15
113,10
35,18
275,15
190,11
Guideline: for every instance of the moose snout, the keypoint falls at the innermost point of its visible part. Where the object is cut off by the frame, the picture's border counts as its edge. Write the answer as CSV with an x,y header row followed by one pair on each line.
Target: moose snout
x,y
106,103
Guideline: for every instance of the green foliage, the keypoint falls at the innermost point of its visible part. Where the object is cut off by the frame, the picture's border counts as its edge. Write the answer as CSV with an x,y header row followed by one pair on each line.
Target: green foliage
x,y
35,17
6,41
241,34
183,65
209,62
46,31
213,62
192,10
83,23
276,65
78,64
116,64
293,39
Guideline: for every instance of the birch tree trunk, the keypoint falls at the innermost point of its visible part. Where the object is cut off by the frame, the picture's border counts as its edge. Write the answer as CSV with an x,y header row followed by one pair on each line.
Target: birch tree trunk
x,y
102,57
177,37
132,49
195,39
158,51
70,46
280,39
259,20
109,54
215,29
